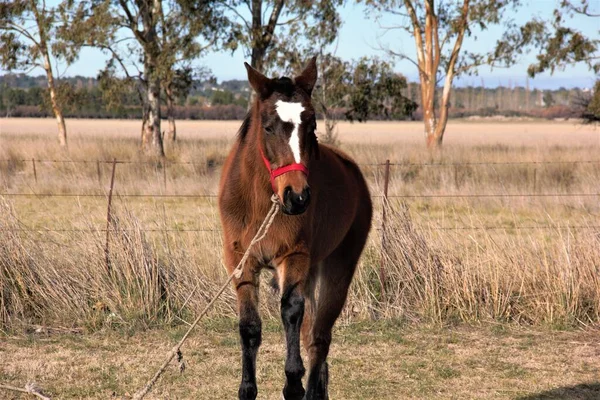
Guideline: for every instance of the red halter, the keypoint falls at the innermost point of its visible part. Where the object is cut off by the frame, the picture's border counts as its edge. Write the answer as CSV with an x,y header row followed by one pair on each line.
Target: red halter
x,y
281,170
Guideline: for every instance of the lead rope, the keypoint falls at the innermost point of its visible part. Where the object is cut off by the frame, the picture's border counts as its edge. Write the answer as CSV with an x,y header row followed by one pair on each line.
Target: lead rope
x,y
237,273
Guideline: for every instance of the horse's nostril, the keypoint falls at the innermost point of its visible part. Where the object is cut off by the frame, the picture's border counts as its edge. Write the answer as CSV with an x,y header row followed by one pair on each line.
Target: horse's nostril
x,y
286,193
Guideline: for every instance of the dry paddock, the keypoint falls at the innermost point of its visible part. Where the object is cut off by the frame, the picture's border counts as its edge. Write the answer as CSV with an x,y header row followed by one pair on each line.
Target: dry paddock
x,y
515,315
463,132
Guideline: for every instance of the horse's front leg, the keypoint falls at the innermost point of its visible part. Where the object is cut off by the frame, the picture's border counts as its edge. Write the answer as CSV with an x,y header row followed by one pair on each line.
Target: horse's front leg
x,y
250,325
293,273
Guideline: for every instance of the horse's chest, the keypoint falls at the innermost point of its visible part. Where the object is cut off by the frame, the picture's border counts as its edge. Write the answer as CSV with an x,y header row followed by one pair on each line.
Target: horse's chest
x,y
278,241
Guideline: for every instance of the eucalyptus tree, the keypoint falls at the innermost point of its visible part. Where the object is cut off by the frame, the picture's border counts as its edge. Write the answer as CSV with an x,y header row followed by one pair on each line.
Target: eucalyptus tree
x,y
439,29
279,33
190,29
28,40
559,42
152,41
357,91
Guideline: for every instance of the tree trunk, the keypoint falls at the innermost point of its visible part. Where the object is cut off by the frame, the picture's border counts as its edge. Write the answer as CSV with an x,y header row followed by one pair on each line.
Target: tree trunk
x,y
257,62
152,142
429,117
172,130
43,48
56,109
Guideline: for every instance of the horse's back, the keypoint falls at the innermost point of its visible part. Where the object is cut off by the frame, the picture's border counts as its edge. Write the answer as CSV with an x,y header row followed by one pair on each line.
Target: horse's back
x,y
343,202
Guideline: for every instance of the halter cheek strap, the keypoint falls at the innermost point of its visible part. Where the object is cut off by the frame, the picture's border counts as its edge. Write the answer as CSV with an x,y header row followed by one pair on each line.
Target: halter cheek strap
x,y
274,173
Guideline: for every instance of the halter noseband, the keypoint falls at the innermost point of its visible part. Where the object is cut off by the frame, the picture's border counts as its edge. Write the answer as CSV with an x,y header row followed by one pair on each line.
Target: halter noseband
x,y
274,173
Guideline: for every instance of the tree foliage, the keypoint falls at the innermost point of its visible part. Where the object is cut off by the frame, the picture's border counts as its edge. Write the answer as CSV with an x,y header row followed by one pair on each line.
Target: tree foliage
x,y
591,112
279,33
558,42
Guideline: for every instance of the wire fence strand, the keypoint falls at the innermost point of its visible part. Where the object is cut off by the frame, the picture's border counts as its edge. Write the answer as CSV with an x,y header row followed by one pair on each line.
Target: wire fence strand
x,y
395,163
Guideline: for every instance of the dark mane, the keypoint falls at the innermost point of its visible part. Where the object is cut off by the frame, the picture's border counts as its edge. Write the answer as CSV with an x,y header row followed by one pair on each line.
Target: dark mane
x,y
245,126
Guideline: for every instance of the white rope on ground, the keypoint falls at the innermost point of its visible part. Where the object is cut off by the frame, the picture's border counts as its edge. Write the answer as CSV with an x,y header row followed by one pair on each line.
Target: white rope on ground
x,y
237,273
30,388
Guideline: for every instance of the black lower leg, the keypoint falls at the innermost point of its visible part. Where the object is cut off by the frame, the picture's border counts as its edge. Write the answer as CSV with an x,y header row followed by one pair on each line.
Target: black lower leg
x,y
250,334
318,377
292,313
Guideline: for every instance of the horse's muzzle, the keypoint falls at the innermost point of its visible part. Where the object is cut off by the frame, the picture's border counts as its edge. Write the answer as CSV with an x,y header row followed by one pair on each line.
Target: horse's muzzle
x,y
295,203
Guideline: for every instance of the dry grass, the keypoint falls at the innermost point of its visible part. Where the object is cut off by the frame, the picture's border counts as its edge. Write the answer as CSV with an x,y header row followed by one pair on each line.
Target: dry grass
x,y
435,272
460,132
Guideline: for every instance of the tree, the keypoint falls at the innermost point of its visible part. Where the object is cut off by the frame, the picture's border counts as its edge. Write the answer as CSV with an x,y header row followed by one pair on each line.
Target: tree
x,y
158,34
28,40
439,29
591,106
188,30
559,43
275,41
548,99
359,91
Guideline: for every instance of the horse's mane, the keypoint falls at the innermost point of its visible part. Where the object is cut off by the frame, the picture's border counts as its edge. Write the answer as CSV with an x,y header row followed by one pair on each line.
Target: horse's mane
x,y
245,126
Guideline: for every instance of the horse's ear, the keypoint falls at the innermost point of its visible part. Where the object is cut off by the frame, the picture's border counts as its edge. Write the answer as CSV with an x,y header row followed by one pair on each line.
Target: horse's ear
x,y
307,79
260,83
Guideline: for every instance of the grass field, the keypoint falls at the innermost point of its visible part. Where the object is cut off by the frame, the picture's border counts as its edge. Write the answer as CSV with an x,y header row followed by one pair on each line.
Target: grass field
x,y
496,255
368,360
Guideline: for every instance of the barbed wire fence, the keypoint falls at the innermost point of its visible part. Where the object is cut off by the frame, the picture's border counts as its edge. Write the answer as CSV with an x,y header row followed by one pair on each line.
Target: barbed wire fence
x,y
384,197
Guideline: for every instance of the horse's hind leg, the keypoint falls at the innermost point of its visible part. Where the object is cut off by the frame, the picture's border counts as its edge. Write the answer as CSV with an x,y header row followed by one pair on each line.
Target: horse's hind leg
x,y
334,280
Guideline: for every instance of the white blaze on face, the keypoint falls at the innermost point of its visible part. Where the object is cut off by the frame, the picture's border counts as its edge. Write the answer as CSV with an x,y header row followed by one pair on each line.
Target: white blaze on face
x,y
290,112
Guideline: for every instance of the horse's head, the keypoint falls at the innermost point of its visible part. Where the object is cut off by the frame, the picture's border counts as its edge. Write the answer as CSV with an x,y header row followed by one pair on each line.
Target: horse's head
x,y
286,140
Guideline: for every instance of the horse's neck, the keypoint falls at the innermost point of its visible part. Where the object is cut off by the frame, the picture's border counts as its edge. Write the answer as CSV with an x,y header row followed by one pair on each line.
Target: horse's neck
x,y
254,177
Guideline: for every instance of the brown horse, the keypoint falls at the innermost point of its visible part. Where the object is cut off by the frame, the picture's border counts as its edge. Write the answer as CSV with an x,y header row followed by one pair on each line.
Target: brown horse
x,y
315,243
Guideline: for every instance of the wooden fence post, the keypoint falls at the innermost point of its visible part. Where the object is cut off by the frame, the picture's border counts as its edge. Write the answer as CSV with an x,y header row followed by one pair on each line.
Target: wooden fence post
x,y
165,175
98,172
386,181
534,180
34,170
109,216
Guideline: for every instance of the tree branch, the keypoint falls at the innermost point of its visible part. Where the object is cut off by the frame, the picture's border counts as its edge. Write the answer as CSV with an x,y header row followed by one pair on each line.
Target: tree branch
x,y
273,20
239,15
417,32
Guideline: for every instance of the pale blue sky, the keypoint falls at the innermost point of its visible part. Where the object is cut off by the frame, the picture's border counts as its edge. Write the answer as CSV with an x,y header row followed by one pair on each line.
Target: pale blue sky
x,y
362,35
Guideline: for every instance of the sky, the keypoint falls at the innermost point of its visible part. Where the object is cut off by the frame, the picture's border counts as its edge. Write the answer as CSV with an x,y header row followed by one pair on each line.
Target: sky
x,y
364,35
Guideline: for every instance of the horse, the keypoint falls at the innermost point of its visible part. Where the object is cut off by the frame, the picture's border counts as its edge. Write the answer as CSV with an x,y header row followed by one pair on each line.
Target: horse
x,y
313,246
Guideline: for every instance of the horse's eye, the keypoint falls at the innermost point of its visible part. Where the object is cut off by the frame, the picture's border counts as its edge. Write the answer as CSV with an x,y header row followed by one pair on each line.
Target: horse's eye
x,y
269,130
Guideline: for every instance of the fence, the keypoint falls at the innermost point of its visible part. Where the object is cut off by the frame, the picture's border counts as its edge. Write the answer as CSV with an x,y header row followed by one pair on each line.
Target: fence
x,y
384,197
